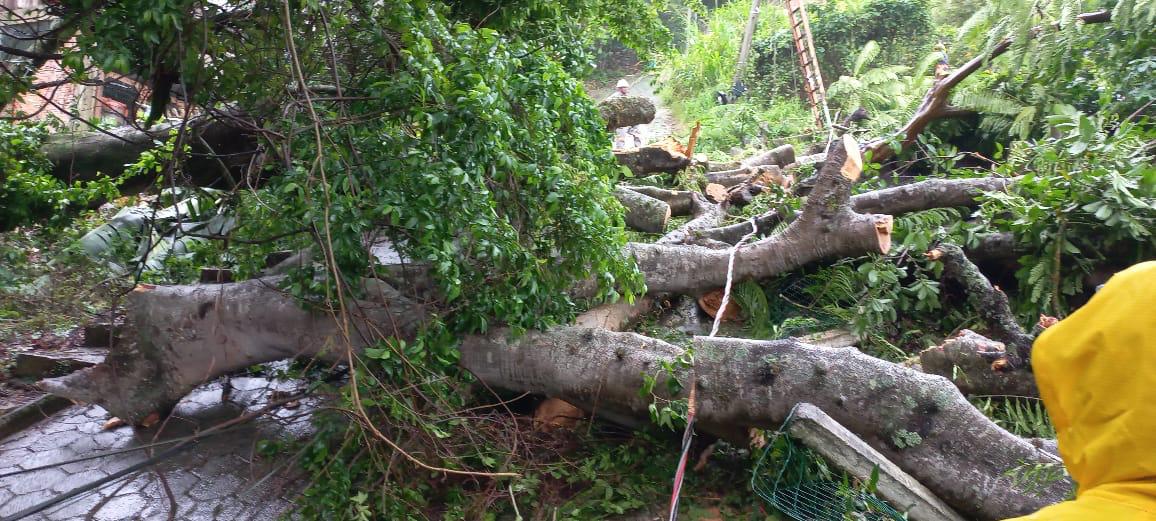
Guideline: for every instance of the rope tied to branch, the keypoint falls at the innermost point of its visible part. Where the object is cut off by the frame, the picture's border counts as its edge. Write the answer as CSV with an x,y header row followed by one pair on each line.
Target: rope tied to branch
x,y
688,433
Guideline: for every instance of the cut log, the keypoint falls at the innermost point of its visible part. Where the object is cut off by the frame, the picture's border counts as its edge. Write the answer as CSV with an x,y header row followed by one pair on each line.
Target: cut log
x,y
715,192
918,421
779,156
626,111
643,213
651,159
711,301
681,201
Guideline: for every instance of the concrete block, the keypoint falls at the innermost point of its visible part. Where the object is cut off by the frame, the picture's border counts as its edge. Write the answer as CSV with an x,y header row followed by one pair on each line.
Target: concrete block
x,y
846,451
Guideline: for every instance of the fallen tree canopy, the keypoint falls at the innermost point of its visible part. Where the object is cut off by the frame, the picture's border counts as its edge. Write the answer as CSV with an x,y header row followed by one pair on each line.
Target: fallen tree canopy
x,y
178,337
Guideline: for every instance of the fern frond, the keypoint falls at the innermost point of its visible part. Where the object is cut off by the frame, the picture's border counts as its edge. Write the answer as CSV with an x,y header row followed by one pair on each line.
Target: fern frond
x,y
1021,126
866,55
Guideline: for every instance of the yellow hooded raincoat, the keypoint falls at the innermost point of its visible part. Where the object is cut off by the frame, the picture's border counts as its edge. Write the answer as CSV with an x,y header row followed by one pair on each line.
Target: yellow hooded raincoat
x,y
1096,372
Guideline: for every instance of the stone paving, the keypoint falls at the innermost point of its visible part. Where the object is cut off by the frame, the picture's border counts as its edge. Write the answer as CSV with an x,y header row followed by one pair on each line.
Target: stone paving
x,y
220,477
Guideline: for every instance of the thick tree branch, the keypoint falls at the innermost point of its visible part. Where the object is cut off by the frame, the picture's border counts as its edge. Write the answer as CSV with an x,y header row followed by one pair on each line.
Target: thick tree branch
x,y
935,103
898,200
989,302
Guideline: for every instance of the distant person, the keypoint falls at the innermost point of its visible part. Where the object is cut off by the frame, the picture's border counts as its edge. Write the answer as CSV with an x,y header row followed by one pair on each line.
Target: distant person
x,y
625,137
1096,372
942,68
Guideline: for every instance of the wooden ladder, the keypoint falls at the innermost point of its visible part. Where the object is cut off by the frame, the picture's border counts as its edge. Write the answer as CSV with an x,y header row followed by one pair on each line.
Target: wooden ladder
x,y
808,63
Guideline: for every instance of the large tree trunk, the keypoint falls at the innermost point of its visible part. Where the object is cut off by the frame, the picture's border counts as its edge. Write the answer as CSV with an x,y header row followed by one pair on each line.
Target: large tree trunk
x,y
950,446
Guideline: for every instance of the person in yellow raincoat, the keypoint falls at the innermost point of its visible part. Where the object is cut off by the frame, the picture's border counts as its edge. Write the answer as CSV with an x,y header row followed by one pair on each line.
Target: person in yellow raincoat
x,y
1096,371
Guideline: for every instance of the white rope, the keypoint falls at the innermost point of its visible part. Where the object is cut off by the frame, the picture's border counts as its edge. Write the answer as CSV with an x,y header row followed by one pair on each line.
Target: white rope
x,y
730,278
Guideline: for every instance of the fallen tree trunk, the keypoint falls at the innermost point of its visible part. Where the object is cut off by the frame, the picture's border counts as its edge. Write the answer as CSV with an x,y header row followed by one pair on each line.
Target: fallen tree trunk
x,y
213,143
643,213
919,421
626,111
179,337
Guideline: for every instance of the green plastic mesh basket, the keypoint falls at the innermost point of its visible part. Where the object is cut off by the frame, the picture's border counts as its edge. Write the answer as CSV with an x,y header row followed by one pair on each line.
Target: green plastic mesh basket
x,y
805,497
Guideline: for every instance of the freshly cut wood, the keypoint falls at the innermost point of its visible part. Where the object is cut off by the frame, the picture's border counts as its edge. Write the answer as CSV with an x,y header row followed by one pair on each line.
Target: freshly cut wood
x,y
693,139
651,159
626,111
711,301
554,413
643,213
681,201
715,192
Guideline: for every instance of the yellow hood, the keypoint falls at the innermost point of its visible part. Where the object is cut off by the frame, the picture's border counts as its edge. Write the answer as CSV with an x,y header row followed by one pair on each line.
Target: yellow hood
x,y
1096,372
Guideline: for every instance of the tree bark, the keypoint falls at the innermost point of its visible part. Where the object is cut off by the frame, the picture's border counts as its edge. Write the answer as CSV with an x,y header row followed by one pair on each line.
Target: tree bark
x,y
626,111
681,201
989,302
179,337
971,361
899,200
960,454
82,156
643,213
176,338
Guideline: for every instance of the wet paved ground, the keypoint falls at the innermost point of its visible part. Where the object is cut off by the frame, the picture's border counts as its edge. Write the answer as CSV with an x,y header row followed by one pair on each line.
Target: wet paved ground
x,y
219,477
